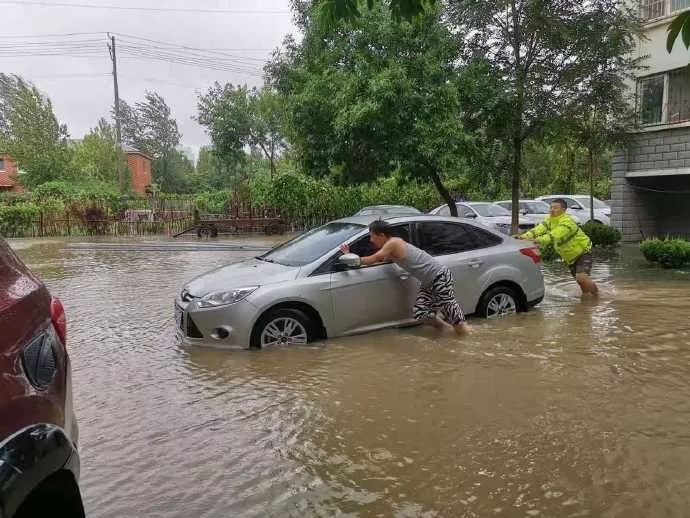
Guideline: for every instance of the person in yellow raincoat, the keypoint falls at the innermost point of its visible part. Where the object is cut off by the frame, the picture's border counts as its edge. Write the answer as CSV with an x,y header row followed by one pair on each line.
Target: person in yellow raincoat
x,y
570,243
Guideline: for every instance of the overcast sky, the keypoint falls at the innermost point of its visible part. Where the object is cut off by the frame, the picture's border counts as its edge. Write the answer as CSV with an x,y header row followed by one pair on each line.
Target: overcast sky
x,y
79,100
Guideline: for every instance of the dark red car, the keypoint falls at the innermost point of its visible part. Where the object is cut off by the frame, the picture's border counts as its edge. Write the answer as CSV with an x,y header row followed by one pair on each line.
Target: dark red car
x,y
39,462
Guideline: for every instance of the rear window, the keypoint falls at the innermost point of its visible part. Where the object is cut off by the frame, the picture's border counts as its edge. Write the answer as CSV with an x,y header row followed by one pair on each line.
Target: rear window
x,y
443,238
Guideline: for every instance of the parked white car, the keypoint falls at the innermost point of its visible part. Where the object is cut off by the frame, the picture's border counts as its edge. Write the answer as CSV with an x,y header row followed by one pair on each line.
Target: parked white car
x,y
578,204
488,214
535,210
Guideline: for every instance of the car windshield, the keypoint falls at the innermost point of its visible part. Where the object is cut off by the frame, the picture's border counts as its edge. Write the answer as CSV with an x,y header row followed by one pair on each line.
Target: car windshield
x,y
370,211
308,247
535,207
490,210
598,204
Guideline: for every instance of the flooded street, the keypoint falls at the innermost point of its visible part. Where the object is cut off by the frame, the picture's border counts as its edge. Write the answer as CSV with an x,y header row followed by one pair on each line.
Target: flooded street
x,y
574,409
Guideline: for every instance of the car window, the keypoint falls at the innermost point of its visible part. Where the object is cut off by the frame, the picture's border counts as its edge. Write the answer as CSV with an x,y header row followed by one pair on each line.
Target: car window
x,y
443,238
506,205
465,212
308,247
364,247
490,210
536,207
598,204
572,204
444,211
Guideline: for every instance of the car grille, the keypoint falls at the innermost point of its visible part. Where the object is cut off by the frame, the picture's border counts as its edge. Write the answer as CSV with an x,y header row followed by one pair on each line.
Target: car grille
x,y
192,329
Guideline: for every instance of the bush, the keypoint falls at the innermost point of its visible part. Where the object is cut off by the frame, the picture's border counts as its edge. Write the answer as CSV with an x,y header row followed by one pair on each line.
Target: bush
x,y
16,218
669,253
548,253
602,235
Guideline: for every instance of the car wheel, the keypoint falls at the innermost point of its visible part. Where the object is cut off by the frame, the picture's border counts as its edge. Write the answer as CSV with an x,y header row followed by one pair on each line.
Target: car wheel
x,y
281,327
498,302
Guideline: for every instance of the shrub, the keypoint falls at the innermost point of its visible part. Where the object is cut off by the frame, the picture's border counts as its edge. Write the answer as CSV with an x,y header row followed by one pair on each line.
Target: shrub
x,y
602,235
548,253
16,218
669,253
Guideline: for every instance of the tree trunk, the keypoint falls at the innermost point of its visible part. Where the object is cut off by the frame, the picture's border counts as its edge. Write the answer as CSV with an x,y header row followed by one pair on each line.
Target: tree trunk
x,y
515,187
445,195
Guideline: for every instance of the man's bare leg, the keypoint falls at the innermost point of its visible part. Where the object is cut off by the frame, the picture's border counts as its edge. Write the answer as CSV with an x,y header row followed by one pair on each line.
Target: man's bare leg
x,y
587,285
463,328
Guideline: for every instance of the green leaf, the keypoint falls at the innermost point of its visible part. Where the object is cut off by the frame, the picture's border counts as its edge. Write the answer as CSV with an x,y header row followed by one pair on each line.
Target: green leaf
x,y
681,23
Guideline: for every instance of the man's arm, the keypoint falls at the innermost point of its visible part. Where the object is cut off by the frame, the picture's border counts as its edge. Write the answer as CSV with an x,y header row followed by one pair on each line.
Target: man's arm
x,y
538,233
390,250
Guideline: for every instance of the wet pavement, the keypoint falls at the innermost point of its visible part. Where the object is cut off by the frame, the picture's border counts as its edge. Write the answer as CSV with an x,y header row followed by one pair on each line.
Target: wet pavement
x,y
579,408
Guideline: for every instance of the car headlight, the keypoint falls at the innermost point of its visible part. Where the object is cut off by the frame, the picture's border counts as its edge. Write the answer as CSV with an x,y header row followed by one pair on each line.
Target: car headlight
x,y
223,298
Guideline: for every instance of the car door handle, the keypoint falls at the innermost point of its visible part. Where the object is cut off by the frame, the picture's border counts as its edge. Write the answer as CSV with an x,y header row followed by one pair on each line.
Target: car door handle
x,y
475,263
404,276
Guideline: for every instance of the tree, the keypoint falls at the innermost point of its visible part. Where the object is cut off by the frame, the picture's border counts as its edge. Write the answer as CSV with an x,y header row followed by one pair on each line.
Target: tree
x,y
149,125
236,118
30,132
213,174
370,96
546,52
352,9
97,157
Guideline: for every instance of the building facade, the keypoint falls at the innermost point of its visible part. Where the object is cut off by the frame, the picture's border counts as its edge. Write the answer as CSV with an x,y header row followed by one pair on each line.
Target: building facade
x,y
651,179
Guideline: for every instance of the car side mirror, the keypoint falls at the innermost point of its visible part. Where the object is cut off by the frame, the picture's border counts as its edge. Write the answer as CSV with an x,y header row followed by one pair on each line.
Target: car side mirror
x,y
470,215
350,260
576,207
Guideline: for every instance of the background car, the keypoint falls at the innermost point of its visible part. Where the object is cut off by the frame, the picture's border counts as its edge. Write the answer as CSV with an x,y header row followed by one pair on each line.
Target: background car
x,y
533,210
578,205
488,214
388,210
301,291
39,462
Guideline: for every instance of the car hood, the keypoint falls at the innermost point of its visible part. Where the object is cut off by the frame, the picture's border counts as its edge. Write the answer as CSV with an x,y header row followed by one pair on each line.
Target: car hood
x,y
252,272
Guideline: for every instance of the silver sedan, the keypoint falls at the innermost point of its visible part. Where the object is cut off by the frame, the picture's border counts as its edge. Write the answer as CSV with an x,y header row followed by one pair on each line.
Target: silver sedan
x,y
303,290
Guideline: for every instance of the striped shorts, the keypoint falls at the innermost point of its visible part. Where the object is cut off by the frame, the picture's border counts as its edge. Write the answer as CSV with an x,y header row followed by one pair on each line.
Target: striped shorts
x,y
439,297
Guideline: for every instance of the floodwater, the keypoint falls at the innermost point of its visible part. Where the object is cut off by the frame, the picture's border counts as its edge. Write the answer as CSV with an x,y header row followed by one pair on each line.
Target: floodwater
x,y
579,408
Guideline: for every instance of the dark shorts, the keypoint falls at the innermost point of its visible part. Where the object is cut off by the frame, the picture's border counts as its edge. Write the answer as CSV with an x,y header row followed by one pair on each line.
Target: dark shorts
x,y
582,264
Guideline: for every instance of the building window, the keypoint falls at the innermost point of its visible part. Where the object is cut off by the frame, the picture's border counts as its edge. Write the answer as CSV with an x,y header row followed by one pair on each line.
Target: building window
x,y
677,5
678,96
652,100
2,164
652,9
665,98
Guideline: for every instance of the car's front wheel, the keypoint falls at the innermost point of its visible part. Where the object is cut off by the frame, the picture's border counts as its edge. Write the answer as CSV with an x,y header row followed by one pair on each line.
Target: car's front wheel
x,y
498,302
281,327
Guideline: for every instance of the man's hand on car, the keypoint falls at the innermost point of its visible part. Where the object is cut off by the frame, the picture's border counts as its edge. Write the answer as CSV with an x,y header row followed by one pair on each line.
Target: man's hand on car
x,y
345,248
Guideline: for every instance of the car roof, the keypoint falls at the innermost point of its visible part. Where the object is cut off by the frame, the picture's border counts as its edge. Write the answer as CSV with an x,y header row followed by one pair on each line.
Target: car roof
x,y
370,207
522,200
367,220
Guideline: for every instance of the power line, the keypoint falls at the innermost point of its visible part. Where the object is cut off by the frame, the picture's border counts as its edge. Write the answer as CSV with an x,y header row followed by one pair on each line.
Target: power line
x,y
55,35
138,8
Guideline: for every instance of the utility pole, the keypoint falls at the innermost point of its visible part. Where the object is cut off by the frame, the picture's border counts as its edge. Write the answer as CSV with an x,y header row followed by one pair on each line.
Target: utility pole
x,y
118,133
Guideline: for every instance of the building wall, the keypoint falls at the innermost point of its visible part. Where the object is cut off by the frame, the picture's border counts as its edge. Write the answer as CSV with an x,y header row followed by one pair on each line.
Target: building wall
x,y
140,166
657,202
9,176
654,48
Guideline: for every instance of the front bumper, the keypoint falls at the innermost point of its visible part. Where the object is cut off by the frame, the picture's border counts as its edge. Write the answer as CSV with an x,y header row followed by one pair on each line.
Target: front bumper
x,y
227,327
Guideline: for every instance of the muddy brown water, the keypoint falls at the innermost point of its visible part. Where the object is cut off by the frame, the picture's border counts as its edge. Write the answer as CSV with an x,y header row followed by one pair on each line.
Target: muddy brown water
x,y
574,409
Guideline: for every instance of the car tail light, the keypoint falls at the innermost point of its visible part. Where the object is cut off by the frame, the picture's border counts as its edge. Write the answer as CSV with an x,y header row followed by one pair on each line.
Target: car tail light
x,y
57,315
533,253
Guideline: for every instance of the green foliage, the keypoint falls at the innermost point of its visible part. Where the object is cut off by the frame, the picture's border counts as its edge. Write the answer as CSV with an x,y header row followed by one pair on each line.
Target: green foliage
x,y
681,25
16,217
669,253
172,171
350,10
149,125
30,132
213,202
96,157
548,253
368,97
237,117
602,235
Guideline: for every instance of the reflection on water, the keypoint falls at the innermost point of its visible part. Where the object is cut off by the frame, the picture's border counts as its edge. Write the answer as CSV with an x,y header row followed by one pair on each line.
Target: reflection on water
x,y
579,408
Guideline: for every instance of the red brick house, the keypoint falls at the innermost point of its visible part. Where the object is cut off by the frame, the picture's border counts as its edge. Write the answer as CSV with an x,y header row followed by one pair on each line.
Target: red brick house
x,y
140,165
9,175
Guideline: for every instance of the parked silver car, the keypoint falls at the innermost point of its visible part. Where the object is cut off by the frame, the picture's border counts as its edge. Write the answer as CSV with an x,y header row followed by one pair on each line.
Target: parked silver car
x,y
488,214
533,210
387,210
578,206
302,291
